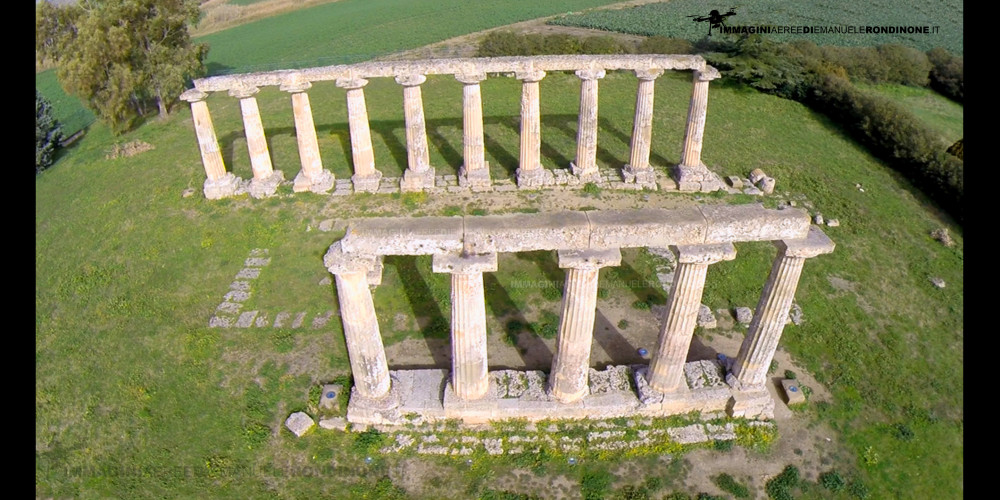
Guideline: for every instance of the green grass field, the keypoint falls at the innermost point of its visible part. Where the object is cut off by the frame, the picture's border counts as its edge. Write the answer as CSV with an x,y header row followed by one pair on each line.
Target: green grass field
x,y
65,108
672,19
351,31
940,113
136,396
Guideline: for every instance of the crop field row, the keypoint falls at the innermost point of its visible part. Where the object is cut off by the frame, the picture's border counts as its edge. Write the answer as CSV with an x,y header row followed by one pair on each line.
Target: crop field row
x,y
677,19
351,31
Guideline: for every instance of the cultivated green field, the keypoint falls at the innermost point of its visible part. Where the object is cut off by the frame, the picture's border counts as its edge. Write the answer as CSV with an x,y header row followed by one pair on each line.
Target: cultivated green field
x,y
671,19
137,397
940,113
351,31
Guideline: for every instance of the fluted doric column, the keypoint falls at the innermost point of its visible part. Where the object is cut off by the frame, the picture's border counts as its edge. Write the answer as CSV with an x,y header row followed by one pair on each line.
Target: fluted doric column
x,y
361,331
585,165
218,182
313,177
749,371
637,170
419,174
530,172
265,178
666,369
691,173
366,178
568,380
475,172
469,373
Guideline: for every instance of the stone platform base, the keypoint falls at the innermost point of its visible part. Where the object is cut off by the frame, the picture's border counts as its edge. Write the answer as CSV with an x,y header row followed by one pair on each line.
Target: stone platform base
x,y
478,178
697,178
414,181
223,187
366,183
616,391
584,175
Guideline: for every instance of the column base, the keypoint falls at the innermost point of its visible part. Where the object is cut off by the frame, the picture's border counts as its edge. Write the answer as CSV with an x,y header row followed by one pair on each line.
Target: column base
x,y
322,184
221,188
366,183
383,410
414,181
479,177
471,411
533,178
585,175
646,177
697,178
749,401
263,188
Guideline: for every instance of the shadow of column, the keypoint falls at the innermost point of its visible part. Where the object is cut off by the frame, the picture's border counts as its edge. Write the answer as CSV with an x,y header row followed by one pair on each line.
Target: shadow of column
x,y
437,332
620,351
534,353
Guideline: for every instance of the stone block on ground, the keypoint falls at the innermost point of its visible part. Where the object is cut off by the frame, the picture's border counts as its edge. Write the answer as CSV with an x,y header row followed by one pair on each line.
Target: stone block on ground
x,y
756,175
793,392
329,399
735,181
299,423
705,317
744,315
334,423
766,185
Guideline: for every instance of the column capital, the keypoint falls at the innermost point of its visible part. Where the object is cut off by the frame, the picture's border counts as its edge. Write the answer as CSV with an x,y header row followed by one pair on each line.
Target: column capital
x,y
589,259
351,83
815,243
243,91
704,254
193,95
295,86
471,78
456,263
530,75
707,74
590,74
648,74
411,80
337,261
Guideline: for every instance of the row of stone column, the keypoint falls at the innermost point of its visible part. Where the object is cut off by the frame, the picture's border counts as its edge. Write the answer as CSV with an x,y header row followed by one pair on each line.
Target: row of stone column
x,y
568,379
419,174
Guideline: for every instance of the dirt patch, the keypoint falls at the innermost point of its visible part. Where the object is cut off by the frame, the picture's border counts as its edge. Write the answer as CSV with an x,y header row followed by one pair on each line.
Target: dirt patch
x,y
128,149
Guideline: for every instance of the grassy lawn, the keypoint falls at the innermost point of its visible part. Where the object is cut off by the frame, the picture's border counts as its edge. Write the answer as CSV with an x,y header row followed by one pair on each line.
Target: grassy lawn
x,y
65,108
137,397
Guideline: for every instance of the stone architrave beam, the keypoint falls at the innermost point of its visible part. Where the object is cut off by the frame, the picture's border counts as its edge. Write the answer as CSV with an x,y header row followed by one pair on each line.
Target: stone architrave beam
x,y
571,363
265,178
361,330
313,177
366,178
419,174
530,173
637,170
470,374
585,165
475,171
218,182
666,370
749,372
492,65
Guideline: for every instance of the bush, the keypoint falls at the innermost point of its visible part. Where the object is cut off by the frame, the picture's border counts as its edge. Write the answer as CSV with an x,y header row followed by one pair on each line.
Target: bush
x,y
726,483
665,45
594,484
947,74
832,481
790,375
48,133
780,487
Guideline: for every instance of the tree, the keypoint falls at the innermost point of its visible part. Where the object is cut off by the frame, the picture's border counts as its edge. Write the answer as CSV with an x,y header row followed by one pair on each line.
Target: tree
x,y
121,56
48,133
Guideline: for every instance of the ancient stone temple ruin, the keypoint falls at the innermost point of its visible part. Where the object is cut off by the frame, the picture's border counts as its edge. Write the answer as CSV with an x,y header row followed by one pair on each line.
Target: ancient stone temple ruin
x,y
634,172
585,241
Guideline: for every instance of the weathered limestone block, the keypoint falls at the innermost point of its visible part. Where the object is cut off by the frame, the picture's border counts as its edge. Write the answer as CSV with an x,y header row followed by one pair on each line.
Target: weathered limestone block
x,y
526,232
767,185
728,223
299,423
404,236
650,227
793,392
756,175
